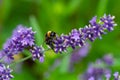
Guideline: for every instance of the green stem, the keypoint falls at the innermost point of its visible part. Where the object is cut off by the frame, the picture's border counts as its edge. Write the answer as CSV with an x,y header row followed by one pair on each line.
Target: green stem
x,y
47,50
26,58
19,61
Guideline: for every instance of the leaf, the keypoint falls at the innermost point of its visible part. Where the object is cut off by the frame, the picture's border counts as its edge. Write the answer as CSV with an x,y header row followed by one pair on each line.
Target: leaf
x,y
102,6
39,35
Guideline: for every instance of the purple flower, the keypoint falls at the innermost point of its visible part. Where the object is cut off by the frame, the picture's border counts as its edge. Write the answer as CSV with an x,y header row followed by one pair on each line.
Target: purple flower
x,y
89,33
98,29
94,30
108,59
5,72
96,71
74,39
68,42
10,47
24,35
7,58
2,53
91,78
108,75
93,21
59,44
116,75
21,39
108,22
80,53
78,37
37,53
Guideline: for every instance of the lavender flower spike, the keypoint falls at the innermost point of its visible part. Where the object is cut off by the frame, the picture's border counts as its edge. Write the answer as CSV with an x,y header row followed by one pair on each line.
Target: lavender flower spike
x,y
59,44
5,72
108,22
21,39
37,53
78,37
24,35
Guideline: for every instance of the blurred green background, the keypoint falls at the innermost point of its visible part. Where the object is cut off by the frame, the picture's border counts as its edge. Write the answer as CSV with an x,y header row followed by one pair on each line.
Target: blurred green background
x,y
60,16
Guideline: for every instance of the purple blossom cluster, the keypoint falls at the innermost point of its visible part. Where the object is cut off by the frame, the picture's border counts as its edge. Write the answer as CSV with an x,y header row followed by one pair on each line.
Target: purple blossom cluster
x,y
99,69
22,38
78,37
108,77
37,53
78,54
5,72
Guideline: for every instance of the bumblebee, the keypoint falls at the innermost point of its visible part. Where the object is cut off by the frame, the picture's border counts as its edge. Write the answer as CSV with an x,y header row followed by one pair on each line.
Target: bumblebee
x,y
49,39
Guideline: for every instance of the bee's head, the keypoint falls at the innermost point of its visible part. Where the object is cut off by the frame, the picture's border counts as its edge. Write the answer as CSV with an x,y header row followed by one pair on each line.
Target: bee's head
x,y
50,34
53,34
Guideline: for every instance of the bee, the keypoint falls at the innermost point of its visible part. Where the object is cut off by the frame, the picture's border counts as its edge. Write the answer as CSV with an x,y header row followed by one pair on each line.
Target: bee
x,y
49,38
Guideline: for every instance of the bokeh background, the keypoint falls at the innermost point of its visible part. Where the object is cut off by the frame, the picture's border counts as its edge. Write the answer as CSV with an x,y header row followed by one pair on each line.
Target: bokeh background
x,y
60,16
